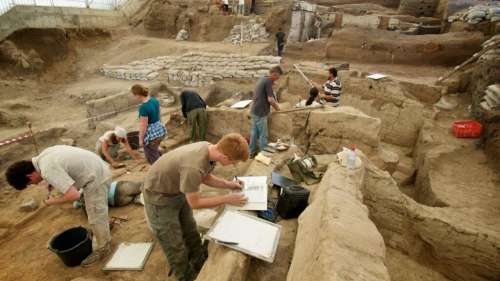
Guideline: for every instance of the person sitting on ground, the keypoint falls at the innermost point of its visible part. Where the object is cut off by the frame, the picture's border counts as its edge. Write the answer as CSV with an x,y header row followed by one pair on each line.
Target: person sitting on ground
x,y
151,130
193,108
172,189
313,95
69,169
108,146
332,89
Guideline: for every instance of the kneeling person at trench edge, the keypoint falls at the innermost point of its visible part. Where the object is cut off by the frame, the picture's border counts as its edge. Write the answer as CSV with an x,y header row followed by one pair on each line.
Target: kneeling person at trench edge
x,y
172,190
68,169
108,146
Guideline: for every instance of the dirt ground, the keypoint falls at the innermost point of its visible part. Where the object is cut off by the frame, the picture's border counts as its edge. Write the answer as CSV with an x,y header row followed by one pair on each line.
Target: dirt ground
x,y
56,98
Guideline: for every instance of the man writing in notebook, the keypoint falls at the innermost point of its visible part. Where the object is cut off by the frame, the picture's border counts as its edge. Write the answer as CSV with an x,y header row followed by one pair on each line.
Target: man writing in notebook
x,y
172,190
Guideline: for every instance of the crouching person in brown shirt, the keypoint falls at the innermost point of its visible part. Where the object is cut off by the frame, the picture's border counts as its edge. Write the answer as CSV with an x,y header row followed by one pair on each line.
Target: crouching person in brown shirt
x,y
171,191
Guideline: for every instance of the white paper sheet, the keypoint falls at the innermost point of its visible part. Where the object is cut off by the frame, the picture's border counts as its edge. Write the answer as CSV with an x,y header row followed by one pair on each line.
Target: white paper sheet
x,y
255,190
241,104
254,236
129,256
376,76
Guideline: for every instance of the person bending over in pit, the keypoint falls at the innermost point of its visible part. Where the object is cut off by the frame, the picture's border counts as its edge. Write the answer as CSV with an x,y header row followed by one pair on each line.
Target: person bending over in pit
x,y
120,193
70,169
108,145
172,189
194,109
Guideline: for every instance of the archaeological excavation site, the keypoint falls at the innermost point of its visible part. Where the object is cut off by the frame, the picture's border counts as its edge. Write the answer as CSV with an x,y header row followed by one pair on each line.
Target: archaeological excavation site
x,y
382,160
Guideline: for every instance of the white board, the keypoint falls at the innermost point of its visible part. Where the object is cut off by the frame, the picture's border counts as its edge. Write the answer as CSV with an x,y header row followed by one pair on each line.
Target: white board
x,y
255,190
129,256
241,104
376,76
254,236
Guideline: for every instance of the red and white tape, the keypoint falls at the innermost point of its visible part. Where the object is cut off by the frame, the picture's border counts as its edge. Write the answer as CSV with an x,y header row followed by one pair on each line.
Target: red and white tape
x,y
14,140
28,134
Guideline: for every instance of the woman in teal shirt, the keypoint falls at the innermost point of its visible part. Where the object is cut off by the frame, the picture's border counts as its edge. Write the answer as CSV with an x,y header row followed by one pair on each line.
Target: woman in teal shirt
x,y
151,130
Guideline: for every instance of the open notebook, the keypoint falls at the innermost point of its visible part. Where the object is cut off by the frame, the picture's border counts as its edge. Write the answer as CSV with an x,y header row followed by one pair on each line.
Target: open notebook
x,y
255,189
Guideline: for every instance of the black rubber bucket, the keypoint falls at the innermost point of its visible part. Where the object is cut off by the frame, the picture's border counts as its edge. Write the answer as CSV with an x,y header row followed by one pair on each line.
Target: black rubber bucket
x,y
292,200
72,246
133,139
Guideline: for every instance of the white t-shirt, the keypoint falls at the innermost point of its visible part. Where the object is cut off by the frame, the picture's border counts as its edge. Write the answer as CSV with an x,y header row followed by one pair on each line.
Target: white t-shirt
x,y
226,2
107,136
63,166
242,2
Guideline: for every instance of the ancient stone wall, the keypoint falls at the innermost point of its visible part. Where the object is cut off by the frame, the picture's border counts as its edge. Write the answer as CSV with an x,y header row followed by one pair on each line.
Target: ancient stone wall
x,y
380,46
387,3
456,245
336,240
194,68
397,104
476,80
251,31
20,17
418,8
319,131
107,107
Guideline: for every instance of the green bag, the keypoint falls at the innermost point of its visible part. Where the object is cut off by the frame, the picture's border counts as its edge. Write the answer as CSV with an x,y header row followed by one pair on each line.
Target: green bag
x,y
302,169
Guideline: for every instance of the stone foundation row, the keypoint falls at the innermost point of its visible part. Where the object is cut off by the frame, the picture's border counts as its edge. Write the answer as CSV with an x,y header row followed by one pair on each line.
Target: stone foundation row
x,y
194,69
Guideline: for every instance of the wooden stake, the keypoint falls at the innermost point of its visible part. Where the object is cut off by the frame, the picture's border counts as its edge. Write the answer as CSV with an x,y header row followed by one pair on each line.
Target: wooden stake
x,y
304,76
33,137
298,109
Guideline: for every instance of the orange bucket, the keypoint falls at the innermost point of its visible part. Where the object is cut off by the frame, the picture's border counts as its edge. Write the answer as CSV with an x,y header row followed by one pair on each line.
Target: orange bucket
x,y
467,129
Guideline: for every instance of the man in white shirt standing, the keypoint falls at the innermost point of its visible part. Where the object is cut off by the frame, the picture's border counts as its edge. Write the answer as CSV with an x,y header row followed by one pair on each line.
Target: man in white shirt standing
x,y
69,169
241,7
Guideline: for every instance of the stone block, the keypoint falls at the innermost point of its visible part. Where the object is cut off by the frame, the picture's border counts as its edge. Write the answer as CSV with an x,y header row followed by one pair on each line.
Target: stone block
x,y
332,128
28,205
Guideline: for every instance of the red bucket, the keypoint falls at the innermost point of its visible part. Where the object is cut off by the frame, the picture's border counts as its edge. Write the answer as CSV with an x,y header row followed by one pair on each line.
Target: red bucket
x,y
467,129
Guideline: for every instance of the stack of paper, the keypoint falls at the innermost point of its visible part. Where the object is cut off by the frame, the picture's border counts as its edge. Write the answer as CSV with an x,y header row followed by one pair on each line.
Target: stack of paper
x,y
241,104
255,190
246,233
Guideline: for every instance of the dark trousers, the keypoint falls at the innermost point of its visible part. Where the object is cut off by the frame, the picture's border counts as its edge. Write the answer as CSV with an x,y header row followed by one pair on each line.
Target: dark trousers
x,y
280,49
197,121
175,228
152,150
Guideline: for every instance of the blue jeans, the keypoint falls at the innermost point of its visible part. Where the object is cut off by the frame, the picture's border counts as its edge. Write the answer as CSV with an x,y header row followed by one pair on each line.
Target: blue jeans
x,y
258,132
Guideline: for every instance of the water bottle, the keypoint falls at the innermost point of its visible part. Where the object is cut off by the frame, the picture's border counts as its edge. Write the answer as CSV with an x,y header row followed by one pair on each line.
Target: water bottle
x,y
351,158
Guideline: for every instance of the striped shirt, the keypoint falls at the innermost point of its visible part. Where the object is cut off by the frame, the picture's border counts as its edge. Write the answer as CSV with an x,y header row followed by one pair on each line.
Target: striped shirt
x,y
332,88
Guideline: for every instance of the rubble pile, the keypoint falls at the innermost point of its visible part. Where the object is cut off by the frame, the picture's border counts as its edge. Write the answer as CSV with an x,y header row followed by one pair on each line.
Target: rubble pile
x,y
194,69
491,98
477,14
252,32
